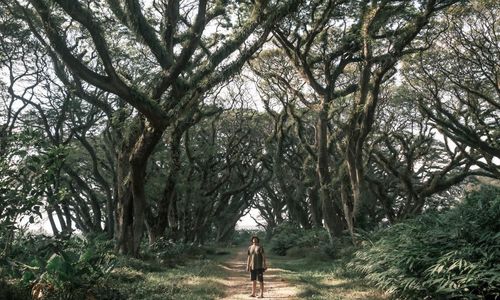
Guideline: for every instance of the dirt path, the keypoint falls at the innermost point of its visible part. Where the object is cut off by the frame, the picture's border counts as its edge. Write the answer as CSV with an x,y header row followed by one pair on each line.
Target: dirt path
x,y
239,286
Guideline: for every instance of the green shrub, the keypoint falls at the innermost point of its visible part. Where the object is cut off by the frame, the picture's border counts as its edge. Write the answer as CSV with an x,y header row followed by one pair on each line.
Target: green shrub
x,y
297,252
242,237
172,252
341,248
12,292
58,265
289,235
453,255
284,237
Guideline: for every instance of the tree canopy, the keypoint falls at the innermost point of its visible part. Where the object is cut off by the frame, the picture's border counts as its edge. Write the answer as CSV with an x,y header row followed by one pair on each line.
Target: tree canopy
x,y
171,118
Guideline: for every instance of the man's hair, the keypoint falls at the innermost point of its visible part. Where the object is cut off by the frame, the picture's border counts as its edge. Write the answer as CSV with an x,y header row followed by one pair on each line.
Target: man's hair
x,y
254,237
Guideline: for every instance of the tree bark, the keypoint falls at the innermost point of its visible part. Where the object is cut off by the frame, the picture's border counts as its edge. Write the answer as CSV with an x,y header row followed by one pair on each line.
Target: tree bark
x,y
53,226
123,191
166,215
138,161
332,221
347,204
314,203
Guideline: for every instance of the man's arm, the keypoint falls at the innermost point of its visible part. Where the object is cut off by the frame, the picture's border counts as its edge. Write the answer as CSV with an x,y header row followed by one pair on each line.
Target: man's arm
x,y
248,261
264,261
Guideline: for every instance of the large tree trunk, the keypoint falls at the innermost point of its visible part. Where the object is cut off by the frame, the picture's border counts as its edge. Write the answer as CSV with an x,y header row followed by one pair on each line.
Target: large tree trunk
x,y
314,203
123,191
356,176
301,210
292,193
225,231
166,215
138,162
124,208
360,126
333,221
362,119
347,204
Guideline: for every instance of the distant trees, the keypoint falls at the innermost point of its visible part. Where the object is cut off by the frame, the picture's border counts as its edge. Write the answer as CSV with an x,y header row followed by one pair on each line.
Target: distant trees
x,y
18,195
222,174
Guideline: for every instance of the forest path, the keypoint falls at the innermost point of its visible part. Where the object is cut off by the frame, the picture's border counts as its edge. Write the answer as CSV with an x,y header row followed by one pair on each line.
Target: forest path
x,y
239,286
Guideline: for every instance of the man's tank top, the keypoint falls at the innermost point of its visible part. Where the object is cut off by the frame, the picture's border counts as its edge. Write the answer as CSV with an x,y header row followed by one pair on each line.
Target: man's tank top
x,y
256,257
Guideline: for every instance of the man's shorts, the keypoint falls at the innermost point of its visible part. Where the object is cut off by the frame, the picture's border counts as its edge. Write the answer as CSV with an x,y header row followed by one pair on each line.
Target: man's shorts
x,y
257,274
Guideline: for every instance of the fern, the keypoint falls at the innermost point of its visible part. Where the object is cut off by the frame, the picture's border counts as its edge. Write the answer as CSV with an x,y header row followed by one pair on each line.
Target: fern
x,y
453,255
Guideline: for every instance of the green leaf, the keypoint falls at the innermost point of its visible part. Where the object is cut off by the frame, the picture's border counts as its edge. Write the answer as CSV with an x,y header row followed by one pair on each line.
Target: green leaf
x,y
28,276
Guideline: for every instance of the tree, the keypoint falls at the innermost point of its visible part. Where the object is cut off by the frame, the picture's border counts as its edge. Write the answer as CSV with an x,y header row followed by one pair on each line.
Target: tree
x,y
16,189
346,49
409,166
223,173
185,59
457,83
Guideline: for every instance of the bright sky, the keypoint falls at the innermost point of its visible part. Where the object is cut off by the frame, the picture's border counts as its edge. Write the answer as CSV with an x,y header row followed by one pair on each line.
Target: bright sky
x,y
247,222
43,226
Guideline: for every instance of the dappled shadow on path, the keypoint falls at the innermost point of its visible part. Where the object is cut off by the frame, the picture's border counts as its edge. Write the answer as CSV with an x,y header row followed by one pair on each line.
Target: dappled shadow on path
x,y
239,286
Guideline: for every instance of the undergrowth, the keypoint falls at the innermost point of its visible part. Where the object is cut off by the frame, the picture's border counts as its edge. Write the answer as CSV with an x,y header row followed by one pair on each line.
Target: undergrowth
x,y
452,255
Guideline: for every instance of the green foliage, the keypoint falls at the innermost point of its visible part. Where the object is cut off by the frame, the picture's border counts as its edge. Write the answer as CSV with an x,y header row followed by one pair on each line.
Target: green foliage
x,y
288,235
453,255
12,291
285,237
16,190
197,278
165,248
242,237
323,279
64,265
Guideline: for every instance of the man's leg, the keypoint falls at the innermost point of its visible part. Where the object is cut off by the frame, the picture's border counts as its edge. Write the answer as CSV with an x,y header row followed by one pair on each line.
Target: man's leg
x,y
254,286
260,277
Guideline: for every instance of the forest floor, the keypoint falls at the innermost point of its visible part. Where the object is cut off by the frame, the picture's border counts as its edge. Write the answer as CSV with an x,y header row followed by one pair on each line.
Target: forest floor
x,y
294,278
222,275
238,284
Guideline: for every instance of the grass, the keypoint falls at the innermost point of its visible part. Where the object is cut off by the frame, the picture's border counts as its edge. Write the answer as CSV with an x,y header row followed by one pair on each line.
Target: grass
x,y
202,276
198,278
316,275
319,277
